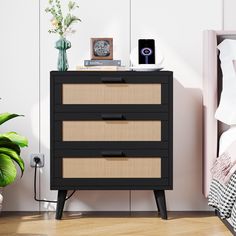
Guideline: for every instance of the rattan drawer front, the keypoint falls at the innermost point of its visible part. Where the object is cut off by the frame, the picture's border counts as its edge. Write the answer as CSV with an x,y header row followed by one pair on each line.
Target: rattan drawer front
x,y
111,94
111,167
111,130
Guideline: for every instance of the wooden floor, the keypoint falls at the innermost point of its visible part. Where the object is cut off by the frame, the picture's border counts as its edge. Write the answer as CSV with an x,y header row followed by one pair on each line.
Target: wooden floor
x,y
73,224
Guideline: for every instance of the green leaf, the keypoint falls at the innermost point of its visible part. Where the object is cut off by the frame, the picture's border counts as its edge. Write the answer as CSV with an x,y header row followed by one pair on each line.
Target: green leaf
x,y
7,116
71,5
7,170
7,143
70,19
14,156
16,138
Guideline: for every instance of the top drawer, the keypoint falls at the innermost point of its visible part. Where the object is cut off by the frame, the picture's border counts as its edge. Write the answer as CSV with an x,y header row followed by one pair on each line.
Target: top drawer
x,y
111,91
75,94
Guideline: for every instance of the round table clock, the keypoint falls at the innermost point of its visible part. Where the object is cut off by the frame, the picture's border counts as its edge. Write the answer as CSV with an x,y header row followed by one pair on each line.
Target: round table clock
x,y
101,48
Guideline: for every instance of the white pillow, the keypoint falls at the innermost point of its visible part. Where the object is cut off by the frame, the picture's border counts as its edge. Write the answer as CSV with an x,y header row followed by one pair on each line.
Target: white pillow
x,y
226,112
226,139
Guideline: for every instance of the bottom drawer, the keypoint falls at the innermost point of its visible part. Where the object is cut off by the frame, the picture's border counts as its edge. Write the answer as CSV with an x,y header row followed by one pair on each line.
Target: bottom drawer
x,y
98,167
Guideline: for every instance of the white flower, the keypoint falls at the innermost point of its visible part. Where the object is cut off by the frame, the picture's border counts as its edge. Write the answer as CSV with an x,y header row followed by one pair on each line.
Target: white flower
x,y
54,22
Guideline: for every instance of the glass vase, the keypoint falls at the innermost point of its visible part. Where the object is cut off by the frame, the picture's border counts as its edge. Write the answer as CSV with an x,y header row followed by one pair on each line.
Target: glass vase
x,y
62,45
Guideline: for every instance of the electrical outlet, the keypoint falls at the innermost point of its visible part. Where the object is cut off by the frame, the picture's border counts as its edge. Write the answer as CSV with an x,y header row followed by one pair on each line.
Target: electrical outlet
x,y
32,160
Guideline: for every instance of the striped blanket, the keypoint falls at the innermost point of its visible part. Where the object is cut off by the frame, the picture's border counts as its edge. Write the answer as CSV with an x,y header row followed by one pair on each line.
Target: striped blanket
x,y
223,198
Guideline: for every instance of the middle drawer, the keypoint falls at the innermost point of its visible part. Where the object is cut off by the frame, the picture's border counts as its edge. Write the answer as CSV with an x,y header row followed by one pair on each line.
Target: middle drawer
x,y
129,128
111,130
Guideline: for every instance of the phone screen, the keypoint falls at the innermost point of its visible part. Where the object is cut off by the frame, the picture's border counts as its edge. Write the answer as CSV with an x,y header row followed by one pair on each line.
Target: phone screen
x,y
146,51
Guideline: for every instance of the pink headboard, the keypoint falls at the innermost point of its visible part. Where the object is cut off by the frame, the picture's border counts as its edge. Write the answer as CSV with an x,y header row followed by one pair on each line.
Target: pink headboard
x,y
212,80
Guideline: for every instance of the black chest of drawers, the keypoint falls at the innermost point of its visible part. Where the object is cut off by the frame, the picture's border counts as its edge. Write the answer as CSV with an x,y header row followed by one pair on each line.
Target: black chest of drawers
x,y
111,130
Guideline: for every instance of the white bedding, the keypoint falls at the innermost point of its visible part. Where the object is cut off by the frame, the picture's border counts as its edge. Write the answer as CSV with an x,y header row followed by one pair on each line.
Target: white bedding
x,y
226,112
226,139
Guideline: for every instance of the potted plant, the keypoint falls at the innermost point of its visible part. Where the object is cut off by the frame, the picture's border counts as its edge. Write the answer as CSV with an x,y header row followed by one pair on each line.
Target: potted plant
x,y
10,148
62,25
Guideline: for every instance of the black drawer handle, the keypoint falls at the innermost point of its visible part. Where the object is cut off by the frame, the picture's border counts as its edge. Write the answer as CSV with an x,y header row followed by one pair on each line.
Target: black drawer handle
x,y
113,117
112,154
112,80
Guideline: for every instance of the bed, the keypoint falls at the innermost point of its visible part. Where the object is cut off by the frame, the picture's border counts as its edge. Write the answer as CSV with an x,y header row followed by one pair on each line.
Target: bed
x,y
213,129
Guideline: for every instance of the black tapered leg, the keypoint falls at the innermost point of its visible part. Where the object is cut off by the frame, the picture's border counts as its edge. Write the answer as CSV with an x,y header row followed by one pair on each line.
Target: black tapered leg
x,y
61,197
158,207
161,203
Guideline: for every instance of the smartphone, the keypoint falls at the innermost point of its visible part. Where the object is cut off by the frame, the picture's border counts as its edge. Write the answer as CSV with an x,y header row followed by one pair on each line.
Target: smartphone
x,y
146,51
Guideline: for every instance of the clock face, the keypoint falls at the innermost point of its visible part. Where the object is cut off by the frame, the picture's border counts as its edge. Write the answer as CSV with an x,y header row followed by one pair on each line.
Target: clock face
x,y
101,48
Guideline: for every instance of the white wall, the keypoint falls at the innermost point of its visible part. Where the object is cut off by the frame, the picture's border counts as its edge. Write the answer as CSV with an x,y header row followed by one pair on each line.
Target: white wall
x,y
229,15
19,79
177,27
